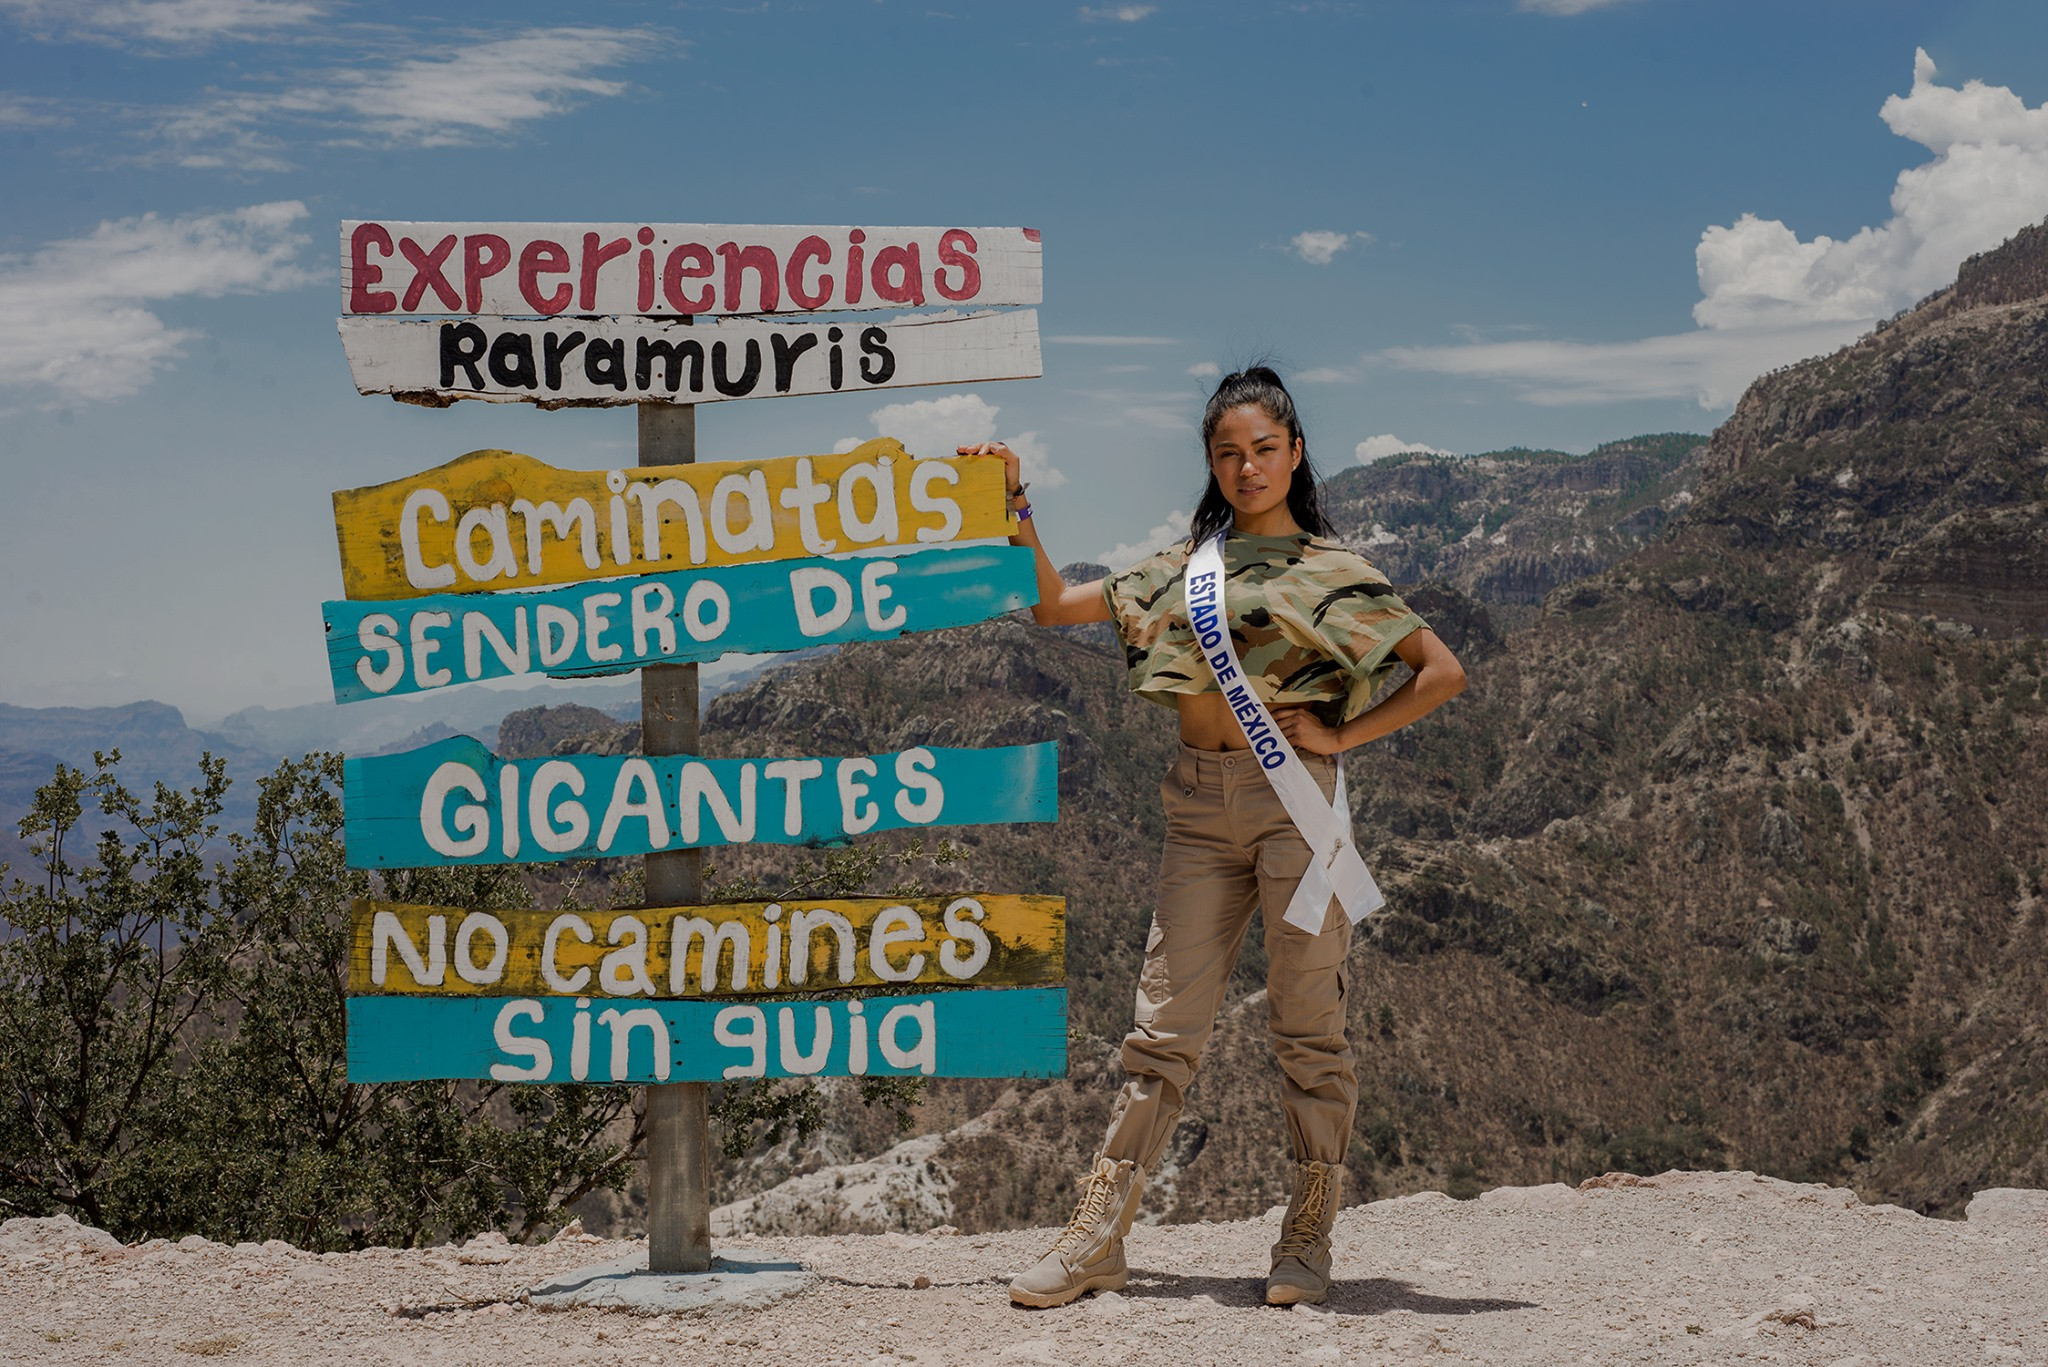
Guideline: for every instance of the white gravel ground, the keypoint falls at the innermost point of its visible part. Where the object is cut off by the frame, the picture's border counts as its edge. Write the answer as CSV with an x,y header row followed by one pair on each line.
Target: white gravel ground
x,y
1689,1268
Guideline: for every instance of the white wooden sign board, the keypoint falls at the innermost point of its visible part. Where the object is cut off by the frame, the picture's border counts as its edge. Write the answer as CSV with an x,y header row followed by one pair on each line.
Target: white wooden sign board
x,y
586,362
678,269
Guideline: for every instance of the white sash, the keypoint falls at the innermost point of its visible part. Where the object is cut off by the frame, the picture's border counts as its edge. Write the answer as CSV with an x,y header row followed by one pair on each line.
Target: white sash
x,y
1335,867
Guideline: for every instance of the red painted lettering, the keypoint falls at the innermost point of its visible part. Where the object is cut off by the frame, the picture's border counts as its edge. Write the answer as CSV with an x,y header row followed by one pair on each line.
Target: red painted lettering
x,y
908,286
854,276
594,257
362,275
760,260
426,271
644,300
483,256
951,253
810,249
542,257
691,261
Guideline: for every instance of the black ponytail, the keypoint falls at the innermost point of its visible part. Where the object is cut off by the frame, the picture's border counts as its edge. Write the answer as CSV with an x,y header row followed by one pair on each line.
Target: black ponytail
x,y
1258,385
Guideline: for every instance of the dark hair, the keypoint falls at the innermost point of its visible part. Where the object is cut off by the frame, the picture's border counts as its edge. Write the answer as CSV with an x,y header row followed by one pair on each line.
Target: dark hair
x,y
1257,384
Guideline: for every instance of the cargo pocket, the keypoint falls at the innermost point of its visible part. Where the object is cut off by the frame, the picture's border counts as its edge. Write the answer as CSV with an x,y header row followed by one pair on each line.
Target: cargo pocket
x,y
1281,865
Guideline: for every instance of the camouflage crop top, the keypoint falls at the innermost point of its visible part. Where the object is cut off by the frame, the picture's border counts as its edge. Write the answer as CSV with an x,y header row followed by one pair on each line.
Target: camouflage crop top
x,y
1313,623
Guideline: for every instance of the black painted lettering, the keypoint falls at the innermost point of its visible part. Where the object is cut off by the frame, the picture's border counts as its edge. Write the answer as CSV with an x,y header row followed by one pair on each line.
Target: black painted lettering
x,y
837,367
671,355
462,345
750,375
512,362
553,351
604,362
787,349
874,346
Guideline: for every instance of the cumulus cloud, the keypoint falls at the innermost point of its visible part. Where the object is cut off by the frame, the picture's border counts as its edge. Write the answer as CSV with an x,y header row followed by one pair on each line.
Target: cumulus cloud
x,y
1171,532
182,22
1769,297
1387,444
930,428
1117,14
487,88
1319,247
72,319
1206,370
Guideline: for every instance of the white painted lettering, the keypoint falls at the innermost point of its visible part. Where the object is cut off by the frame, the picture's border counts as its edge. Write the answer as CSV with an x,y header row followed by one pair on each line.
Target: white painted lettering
x,y
895,926
378,633
466,967
856,813
914,771
472,819
542,1058
418,572
804,585
725,1028
874,597
924,1055
923,475
550,971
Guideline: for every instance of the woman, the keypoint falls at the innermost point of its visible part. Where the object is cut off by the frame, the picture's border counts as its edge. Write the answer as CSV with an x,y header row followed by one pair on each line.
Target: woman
x,y
1314,629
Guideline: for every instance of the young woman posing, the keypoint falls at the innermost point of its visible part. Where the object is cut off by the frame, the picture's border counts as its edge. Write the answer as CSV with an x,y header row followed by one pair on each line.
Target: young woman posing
x,y
1315,629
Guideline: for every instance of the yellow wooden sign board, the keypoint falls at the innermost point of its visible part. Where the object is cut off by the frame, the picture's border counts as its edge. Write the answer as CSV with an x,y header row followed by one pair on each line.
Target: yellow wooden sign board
x,y
498,520
736,949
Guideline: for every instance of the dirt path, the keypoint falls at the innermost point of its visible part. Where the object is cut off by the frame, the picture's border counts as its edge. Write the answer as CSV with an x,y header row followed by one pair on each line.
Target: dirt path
x,y
1685,1268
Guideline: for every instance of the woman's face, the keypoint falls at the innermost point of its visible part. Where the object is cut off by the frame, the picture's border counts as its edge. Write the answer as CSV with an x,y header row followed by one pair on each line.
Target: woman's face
x,y
1253,459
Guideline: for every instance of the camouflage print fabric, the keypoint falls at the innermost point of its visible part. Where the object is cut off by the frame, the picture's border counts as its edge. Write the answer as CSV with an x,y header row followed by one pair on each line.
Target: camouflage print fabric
x,y
1314,624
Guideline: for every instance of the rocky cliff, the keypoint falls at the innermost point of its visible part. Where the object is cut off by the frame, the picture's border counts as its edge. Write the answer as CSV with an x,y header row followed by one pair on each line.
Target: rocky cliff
x,y
1732,855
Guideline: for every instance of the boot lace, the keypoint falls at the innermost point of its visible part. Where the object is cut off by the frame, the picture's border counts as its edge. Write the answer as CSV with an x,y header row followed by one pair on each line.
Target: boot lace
x,y
1304,1231
1096,1198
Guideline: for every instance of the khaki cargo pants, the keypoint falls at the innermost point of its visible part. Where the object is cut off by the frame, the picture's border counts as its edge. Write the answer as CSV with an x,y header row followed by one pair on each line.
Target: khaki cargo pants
x,y
1230,847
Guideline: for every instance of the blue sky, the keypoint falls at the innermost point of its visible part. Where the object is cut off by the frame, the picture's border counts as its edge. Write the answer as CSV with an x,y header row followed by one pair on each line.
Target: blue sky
x,y
1465,224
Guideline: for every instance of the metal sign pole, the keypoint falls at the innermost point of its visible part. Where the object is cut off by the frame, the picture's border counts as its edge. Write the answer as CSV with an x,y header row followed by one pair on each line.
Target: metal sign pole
x,y
678,1113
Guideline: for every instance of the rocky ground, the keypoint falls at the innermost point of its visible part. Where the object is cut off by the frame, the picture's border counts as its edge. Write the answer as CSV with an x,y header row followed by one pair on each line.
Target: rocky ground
x,y
1684,1268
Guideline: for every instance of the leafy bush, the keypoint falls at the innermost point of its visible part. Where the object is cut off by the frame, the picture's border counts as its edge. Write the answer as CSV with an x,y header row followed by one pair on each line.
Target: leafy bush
x,y
173,1037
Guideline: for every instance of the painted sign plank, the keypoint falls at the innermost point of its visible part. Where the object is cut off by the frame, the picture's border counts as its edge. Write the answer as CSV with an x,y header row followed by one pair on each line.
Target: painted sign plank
x,y
604,362
500,520
735,949
1016,1033
377,650
454,802
678,269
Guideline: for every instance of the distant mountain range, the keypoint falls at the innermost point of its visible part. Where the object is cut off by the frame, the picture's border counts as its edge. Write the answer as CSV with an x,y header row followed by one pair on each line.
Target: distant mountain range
x,y
157,745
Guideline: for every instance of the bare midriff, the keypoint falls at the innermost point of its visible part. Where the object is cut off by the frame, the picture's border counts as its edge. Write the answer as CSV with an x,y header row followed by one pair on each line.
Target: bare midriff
x,y
1207,723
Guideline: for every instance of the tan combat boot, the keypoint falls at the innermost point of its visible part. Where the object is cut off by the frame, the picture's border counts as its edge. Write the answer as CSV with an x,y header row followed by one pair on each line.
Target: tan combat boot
x,y
1301,1260
1089,1254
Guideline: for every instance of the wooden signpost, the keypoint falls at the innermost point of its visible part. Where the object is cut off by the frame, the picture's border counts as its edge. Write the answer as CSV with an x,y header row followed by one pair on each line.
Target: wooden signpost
x,y
496,565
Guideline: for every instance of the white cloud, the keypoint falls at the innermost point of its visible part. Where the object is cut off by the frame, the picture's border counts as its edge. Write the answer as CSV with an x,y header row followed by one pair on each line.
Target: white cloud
x,y
1563,9
72,325
1206,370
1171,532
930,428
491,87
1387,444
1117,14
161,21
1319,247
487,88
1768,298
21,111
1091,339
1329,374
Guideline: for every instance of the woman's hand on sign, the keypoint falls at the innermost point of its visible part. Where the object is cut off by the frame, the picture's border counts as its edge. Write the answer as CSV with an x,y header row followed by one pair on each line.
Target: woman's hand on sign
x,y
1012,468
1305,731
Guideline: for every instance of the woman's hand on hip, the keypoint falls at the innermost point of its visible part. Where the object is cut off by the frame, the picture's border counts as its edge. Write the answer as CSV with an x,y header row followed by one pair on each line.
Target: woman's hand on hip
x,y
1305,731
1012,467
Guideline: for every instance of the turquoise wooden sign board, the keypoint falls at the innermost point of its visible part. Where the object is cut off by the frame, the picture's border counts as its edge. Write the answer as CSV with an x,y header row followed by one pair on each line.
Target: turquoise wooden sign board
x,y
614,626
454,802
969,1033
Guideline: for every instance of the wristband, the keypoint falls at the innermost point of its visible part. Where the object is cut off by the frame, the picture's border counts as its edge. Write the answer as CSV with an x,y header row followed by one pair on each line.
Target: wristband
x,y
1022,514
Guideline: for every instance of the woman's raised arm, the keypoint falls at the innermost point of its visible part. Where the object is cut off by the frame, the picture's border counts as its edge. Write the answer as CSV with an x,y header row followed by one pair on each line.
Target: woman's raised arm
x,y
1059,603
